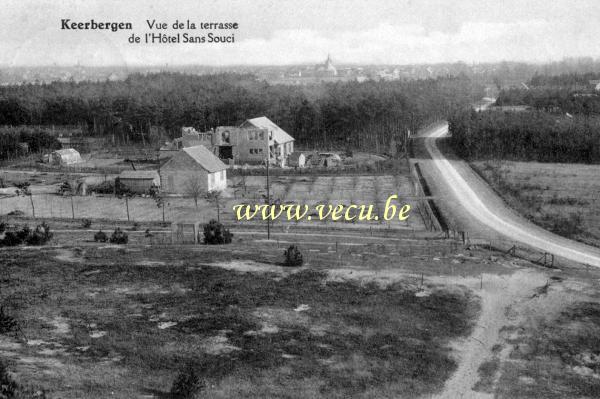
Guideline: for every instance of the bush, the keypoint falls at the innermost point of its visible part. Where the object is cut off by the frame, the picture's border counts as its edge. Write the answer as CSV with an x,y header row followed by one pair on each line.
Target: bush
x,y
86,223
23,233
40,236
293,256
11,239
15,237
8,386
2,227
100,236
187,384
106,187
119,237
216,233
8,323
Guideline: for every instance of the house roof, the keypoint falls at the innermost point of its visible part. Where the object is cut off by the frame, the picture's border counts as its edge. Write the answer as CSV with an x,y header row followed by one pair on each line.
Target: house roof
x,y
66,151
279,135
139,174
205,158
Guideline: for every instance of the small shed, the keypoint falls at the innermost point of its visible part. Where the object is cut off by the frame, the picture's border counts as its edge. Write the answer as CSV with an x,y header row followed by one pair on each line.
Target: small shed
x,y
139,181
328,159
297,160
67,156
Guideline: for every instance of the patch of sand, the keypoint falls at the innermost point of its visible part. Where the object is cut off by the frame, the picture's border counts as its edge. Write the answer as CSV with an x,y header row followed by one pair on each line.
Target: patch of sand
x,y
217,344
252,266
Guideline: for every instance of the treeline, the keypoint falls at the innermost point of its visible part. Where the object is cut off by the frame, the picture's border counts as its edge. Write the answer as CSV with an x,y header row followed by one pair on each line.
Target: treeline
x,y
525,136
143,108
564,80
570,93
17,141
552,100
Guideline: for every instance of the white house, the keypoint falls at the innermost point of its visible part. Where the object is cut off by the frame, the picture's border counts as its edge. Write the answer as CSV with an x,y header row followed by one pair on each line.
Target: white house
x,y
193,166
280,143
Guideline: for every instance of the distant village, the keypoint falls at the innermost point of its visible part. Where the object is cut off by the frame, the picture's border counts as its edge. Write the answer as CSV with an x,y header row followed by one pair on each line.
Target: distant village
x,y
329,70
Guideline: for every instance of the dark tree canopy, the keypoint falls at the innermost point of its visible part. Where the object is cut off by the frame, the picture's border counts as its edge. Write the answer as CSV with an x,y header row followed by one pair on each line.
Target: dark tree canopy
x,y
143,108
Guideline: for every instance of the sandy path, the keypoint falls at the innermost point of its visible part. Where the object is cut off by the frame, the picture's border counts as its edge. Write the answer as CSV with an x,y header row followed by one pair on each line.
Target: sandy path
x,y
498,296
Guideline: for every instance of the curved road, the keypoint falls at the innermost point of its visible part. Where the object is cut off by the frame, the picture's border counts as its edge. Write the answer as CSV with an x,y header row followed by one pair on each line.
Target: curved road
x,y
465,189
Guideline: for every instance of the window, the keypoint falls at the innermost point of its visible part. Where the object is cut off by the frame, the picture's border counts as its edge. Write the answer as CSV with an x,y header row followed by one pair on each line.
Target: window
x,y
262,135
260,150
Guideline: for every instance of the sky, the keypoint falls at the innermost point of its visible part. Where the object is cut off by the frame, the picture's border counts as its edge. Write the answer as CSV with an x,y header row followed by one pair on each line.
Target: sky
x,y
281,32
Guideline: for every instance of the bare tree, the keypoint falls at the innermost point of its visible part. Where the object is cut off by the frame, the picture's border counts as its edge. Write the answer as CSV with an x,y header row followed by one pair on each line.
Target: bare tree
x,y
194,188
24,190
214,196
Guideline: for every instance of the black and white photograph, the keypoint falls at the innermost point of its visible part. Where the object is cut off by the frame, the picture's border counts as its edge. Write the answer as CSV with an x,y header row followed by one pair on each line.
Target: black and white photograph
x,y
299,199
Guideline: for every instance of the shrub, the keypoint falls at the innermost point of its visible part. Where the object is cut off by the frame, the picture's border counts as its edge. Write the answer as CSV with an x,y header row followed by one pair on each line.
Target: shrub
x,y
187,384
11,239
2,227
86,223
40,236
23,233
216,233
106,187
293,256
119,237
100,236
15,237
8,386
8,323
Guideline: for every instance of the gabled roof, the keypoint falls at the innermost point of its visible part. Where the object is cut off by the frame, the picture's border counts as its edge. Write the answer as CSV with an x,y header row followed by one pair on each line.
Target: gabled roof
x,y
67,151
205,158
279,135
139,174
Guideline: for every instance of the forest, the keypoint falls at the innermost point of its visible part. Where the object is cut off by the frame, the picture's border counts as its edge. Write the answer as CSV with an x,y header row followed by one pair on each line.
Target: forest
x,y
149,108
525,136
15,141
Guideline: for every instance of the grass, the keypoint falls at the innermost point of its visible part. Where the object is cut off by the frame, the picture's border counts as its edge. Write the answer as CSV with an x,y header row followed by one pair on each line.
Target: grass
x,y
296,189
562,198
562,357
487,374
101,311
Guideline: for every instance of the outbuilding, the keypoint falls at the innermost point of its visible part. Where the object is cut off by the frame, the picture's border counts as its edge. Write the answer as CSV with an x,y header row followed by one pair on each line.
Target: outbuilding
x,y
297,160
139,181
67,156
193,168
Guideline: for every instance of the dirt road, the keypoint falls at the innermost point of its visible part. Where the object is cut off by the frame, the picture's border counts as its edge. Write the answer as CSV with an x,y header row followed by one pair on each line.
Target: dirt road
x,y
499,295
484,207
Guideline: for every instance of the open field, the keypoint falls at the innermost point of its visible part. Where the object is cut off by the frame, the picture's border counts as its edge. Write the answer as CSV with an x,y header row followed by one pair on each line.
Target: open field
x,y
309,190
405,317
563,198
102,321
